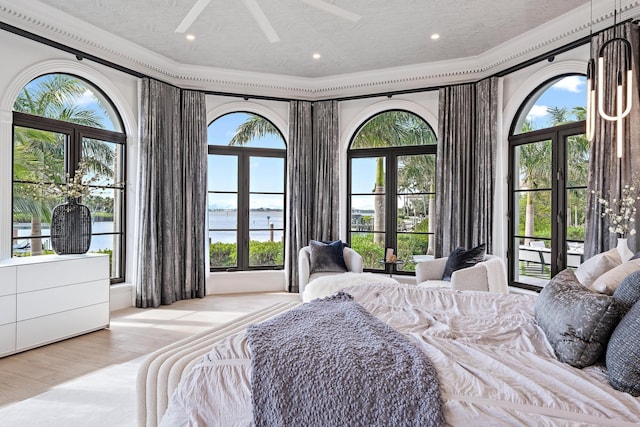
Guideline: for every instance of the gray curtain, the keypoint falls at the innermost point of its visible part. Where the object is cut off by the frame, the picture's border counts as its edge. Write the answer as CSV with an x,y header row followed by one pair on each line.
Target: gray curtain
x,y
171,236
312,179
465,176
607,173
325,171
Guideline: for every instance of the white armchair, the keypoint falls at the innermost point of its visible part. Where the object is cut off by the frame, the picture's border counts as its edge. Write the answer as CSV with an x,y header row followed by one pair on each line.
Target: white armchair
x,y
352,260
490,275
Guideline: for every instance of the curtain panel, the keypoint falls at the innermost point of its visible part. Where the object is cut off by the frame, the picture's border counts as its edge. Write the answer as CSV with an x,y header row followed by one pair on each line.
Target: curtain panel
x,y
299,187
607,173
326,170
465,178
312,179
171,191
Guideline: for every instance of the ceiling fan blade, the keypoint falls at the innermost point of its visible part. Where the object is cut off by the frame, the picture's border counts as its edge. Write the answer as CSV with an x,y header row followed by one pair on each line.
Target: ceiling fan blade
x,y
193,14
334,10
262,20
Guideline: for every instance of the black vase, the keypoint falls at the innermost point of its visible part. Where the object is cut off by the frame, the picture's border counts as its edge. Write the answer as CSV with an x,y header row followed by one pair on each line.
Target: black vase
x,y
71,228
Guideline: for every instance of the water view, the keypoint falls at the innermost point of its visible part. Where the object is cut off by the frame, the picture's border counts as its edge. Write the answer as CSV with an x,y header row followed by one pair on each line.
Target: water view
x,y
264,225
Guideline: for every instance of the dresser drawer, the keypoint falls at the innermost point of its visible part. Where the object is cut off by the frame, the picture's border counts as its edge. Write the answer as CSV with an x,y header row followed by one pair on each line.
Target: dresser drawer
x,y
7,339
61,272
63,298
7,280
44,330
7,309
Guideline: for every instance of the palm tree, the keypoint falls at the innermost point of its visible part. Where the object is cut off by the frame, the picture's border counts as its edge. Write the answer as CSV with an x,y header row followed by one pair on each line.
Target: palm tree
x,y
39,155
558,116
254,127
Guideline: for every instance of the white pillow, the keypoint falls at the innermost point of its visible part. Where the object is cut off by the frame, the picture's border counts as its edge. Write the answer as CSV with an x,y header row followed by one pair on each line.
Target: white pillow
x,y
609,281
596,266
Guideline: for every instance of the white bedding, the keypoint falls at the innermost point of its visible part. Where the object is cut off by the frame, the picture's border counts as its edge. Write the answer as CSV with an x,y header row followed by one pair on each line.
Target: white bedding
x,y
494,364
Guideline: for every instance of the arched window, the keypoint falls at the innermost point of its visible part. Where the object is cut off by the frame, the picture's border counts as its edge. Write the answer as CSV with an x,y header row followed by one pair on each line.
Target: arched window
x,y
392,159
549,162
246,184
63,124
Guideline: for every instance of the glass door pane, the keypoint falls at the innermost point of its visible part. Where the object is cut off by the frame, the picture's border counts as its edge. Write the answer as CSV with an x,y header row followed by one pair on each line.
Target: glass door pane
x,y
578,156
222,210
415,191
103,168
532,213
266,211
38,165
368,200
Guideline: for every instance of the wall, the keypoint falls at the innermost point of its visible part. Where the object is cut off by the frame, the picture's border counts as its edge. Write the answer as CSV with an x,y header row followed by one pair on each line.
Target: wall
x,y
28,59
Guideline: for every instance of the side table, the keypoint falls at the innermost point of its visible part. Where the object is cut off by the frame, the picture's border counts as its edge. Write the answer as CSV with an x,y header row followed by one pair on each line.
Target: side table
x,y
391,264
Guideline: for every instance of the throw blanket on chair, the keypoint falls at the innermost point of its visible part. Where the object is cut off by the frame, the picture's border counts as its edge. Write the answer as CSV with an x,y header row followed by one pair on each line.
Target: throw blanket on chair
x,y
331,363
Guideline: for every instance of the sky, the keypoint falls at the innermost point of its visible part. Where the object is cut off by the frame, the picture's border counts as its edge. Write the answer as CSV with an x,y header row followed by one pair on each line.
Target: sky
x,y
267,175
568,92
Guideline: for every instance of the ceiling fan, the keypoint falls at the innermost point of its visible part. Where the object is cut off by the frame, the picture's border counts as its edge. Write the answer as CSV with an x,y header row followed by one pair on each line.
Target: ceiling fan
x,y
261,19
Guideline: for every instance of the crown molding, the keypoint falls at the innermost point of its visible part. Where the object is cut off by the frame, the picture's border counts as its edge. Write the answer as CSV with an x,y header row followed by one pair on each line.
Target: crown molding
x,y
45,21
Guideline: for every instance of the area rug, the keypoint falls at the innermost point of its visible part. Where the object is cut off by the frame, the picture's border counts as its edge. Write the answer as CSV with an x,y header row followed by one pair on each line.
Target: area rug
x,y
103,398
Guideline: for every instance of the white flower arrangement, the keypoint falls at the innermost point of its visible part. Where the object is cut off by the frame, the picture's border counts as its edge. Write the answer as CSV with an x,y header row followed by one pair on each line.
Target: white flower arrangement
x,y
75,187
621,212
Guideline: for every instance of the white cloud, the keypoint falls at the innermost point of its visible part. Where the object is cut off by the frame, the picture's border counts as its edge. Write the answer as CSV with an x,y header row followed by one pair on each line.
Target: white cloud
x,y
86,99
537,111
570,83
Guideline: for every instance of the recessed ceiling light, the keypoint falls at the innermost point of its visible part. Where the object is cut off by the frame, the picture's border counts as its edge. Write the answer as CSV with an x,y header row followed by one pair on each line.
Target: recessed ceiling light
x,y
190,37
435,36
316,56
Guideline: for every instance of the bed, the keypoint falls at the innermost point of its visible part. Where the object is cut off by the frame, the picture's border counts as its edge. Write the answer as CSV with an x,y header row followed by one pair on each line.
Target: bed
x,y
494,365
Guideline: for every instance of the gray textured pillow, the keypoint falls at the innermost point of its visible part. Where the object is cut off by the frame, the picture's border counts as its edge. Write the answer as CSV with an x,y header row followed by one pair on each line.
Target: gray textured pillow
x,y
623,353
327,257
628,293
576,321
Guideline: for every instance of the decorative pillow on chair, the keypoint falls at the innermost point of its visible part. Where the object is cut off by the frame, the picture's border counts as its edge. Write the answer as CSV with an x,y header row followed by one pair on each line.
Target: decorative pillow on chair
x,y
576,321
327,257
597,265
623,353
461,258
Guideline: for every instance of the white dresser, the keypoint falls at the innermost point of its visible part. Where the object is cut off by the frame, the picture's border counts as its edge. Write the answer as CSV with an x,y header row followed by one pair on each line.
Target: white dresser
x,y
48,298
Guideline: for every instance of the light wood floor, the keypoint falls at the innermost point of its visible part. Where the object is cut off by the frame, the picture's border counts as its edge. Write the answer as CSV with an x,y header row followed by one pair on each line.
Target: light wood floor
x,y
132,333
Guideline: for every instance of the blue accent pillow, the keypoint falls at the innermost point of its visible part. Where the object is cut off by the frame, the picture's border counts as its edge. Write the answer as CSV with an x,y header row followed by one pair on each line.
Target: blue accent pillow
x,y
623,353
461,258
327,257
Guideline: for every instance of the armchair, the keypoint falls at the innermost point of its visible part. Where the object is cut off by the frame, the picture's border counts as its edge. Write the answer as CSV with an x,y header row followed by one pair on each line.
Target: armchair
x,y
488,275
352,260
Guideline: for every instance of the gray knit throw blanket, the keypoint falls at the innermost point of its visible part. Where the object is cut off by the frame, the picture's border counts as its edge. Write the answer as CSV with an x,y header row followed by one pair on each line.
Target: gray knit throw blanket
x,y
331,363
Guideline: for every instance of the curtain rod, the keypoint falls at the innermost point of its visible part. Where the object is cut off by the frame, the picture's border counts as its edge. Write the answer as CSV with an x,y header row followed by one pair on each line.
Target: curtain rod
x,y
82,55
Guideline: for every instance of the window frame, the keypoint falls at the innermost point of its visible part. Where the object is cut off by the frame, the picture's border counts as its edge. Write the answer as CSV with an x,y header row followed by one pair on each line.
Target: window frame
x,y
559,137
390,155
73,152
244,155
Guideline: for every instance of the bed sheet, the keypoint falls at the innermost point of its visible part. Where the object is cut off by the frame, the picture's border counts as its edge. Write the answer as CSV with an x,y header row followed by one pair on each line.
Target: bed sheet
x,y
494,364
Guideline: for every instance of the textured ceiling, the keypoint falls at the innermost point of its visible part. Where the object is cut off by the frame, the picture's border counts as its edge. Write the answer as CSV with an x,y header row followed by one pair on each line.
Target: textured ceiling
x,y
388,34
